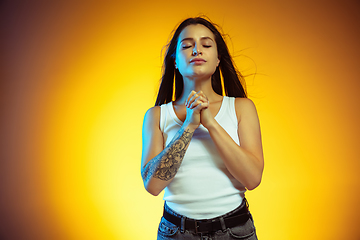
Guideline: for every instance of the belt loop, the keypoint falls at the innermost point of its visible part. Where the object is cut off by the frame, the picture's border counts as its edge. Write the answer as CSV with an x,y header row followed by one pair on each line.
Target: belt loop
x,y
246,203
222,222
182,226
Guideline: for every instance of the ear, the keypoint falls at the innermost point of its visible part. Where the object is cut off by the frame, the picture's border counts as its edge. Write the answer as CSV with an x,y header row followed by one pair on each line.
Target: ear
x,y
175,64
218,61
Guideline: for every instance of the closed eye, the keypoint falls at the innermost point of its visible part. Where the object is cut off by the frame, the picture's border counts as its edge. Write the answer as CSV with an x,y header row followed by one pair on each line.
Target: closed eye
x,y
206,46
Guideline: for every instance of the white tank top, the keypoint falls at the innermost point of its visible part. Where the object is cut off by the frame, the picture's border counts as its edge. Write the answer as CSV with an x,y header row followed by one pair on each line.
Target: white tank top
x,y
203,188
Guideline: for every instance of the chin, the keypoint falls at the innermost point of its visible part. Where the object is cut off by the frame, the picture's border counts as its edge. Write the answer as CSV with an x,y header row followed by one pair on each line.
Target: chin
x,y
198,73
201,74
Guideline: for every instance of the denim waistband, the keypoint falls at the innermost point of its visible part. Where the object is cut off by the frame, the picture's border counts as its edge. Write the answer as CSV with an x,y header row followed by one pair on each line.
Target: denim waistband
x,y
243,204
238,216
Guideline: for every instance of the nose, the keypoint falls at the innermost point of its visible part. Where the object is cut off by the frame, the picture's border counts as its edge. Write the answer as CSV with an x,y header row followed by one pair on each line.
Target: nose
x,y
196,51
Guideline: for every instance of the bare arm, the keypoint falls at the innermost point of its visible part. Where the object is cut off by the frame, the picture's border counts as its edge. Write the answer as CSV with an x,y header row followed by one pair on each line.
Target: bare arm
x,y
160,170
165,165
244,162
159,164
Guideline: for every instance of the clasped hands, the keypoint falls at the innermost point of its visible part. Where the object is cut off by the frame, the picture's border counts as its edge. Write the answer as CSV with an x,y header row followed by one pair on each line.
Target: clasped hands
x,y
197,110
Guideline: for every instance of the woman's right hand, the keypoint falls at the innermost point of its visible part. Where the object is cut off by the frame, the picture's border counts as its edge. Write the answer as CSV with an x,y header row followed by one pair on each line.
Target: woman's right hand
x,y
194,104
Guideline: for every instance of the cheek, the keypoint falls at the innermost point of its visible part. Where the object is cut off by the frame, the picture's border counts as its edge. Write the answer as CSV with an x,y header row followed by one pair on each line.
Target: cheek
x,y
217,61
180,59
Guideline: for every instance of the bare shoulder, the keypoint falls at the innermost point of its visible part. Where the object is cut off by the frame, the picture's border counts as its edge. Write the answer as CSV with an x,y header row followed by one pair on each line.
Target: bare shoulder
x,y
245,107
153,111
152,138
152,115
244,102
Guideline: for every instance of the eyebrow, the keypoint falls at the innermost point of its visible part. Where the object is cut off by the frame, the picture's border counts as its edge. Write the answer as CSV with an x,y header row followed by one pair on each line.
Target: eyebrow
x,y
203,38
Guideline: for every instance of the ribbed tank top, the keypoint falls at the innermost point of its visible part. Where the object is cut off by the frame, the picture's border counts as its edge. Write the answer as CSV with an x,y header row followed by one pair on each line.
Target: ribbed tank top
x,y
203,188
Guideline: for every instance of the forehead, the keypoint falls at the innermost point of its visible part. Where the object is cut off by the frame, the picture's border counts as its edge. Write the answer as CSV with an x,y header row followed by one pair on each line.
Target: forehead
x,y
196,32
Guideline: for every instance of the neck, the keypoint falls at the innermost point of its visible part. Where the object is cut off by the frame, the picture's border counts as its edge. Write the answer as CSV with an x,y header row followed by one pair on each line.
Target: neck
x,y
198,85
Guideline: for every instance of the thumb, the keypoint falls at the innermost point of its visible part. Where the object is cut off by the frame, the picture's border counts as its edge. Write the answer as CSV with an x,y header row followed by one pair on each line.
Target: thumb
x,y
200,107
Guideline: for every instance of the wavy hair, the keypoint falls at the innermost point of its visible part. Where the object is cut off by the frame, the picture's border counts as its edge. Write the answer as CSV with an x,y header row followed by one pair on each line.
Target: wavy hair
x,y
232,78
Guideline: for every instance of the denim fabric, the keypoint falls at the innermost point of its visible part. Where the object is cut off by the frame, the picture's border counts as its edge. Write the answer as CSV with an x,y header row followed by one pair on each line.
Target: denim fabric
x,y
168,230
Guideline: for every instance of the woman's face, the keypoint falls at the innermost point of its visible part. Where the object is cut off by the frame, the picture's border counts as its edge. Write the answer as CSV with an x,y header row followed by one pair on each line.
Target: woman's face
x,y
196,52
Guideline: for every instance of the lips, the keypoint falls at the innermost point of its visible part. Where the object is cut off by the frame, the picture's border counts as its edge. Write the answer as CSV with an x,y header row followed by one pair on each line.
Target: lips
x,y
197,60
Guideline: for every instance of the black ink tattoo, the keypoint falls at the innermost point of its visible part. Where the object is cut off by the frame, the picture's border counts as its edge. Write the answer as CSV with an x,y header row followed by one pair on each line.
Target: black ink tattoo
x,y
165,165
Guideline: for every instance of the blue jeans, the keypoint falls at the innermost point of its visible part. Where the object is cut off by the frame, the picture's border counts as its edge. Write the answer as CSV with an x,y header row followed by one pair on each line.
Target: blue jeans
x,y
168,230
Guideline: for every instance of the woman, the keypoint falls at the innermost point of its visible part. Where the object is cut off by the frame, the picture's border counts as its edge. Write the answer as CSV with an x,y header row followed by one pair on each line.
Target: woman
x,y
200,145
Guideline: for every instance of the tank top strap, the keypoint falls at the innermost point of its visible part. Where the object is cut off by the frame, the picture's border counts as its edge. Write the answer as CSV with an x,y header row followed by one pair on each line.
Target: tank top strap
x,y
232,110
164,112
227,111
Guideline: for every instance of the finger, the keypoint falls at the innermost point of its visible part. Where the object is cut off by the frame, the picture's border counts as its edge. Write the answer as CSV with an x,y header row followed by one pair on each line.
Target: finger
x,y
193,103
200,106
192,93
205,104
193,97
201,93
199,99
205,99
192,100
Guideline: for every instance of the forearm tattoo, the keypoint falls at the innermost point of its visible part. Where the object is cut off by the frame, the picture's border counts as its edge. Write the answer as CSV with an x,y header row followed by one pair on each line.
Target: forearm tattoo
x,y
165,165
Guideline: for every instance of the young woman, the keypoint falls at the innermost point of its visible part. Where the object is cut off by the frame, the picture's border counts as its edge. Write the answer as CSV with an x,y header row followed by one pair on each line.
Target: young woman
x,y
201,145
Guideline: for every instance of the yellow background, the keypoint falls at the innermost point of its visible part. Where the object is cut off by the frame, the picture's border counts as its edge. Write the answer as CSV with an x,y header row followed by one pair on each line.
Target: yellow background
x,y
78,76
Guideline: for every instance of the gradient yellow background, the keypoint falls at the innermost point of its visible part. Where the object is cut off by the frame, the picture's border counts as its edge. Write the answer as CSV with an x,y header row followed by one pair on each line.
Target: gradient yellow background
x,y
78,76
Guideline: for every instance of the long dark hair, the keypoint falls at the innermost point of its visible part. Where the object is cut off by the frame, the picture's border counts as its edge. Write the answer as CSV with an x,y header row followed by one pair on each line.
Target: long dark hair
x,y
232,78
